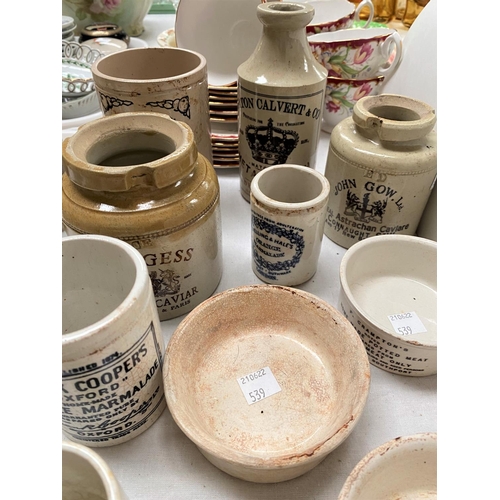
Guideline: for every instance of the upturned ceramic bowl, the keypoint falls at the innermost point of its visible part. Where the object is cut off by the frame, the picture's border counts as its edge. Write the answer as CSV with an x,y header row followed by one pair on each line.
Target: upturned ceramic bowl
x,y
266,381
403,468
388,291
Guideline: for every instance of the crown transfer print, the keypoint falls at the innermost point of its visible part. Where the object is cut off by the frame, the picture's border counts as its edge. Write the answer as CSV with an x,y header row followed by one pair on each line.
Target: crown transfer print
x,y
277,129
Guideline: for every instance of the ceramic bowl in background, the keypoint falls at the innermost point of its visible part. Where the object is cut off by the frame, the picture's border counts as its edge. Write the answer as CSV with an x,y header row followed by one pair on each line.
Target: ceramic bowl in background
x,y
358,53
341,96
81,106
388,291
266,380
405,467
85,475
227,32
333,15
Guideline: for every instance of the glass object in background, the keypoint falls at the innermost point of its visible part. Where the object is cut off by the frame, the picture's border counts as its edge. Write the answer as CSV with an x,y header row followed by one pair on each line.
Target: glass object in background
x,y
400,9
164,6
413,9
384,10
364,13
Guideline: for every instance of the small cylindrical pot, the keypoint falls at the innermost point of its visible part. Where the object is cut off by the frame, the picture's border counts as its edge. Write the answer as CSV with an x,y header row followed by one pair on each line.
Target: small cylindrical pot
x,y
167,80
86,475
138,177
288,204
112,343
382,166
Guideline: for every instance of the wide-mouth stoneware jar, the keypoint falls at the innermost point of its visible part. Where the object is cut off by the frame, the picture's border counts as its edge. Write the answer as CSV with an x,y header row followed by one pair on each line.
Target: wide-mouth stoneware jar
x,y
139,177
382,167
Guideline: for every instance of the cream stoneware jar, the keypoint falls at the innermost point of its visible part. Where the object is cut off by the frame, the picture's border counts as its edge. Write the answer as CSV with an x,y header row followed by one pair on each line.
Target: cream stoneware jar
x,y
112,344
382,166
139,177
86,476
166,80
288,204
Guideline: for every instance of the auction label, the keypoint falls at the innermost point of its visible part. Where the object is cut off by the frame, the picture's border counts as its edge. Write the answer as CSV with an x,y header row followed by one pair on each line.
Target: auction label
x,y
106,400
258,385
407,323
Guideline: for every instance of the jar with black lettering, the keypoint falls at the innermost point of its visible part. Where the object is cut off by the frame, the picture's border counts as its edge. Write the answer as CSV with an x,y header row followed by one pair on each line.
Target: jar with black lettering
x,y
382,167
281,94
139,177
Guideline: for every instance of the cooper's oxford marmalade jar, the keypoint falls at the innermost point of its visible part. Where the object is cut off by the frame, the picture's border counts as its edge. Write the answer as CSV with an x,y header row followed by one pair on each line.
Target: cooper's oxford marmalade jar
x,y
281,92
139,177
381,165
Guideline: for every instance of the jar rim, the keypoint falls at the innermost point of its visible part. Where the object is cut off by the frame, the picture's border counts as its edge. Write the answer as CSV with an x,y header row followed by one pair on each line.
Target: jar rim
x,y
79,152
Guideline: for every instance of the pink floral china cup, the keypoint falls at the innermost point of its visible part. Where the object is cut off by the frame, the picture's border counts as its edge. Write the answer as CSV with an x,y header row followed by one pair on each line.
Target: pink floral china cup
x,y
358,53
341,96
334,15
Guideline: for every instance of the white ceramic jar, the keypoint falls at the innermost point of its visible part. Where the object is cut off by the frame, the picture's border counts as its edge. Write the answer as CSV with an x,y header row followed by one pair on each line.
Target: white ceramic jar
x,y
281,92
138,177
382,166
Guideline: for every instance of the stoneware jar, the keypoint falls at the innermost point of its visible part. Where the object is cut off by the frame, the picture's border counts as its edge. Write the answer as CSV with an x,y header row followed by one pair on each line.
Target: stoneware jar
x,y
139,177
288,205
166,80
281,93
382,165
112,344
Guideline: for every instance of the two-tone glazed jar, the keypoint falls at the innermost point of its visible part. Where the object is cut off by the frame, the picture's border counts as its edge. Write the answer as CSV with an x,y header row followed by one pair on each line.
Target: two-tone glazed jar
x,y
382,166
139,177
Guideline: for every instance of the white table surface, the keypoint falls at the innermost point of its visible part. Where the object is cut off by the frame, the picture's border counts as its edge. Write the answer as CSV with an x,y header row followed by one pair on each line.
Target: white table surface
x,y
163,463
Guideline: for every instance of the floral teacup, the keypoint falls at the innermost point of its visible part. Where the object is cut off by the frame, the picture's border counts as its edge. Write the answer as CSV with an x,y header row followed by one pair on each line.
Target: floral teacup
x,y
341,96
358,53
334,15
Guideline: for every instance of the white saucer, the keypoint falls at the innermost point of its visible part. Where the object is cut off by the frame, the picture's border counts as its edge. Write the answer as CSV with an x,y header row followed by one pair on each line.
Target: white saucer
x,y
106,45
227,32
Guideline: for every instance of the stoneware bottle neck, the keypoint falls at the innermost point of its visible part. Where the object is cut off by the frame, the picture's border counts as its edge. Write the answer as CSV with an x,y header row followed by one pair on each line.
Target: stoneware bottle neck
x,y
283,32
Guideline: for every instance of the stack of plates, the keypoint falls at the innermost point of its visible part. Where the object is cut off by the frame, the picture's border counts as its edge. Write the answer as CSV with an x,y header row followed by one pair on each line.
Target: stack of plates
x,y
223,102
68,28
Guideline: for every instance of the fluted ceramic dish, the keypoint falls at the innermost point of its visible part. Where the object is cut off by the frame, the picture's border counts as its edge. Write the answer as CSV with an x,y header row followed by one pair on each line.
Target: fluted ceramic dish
x,y
403,468
81,106
266,380
77,61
